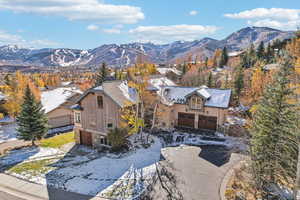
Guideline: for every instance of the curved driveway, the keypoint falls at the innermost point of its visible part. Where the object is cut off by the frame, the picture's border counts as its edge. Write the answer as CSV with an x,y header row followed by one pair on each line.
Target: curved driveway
x,y
199,171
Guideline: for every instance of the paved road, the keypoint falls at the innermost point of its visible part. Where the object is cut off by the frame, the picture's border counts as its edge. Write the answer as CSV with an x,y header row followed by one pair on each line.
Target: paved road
x,y
199,171
6,196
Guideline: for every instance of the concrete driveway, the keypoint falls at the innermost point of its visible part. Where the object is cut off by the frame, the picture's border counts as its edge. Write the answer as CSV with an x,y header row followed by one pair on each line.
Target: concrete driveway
x,y
199,171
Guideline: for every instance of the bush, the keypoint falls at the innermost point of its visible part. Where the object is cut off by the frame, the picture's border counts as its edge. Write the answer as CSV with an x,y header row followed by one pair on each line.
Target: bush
x,y
117,138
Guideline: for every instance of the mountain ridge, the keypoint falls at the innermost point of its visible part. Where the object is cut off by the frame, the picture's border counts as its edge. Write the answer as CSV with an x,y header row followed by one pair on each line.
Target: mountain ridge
x,y
120,55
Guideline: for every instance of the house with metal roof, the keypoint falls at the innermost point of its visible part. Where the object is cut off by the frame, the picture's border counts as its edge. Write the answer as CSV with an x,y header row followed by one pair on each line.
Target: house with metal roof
x,y
193,107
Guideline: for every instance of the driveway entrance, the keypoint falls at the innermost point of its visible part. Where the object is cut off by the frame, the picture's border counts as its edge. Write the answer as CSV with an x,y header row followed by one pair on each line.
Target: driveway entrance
x,y
199,170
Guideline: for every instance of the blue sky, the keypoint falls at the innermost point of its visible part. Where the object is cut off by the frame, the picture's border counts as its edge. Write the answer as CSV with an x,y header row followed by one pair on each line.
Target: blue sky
x,y
88,24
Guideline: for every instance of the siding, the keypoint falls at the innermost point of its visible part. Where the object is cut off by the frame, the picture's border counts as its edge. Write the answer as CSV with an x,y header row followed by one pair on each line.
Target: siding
x,y
60,117
96,119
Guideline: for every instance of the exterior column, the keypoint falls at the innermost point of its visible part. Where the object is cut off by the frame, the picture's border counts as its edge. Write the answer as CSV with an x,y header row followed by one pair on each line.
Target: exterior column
x,y
196,121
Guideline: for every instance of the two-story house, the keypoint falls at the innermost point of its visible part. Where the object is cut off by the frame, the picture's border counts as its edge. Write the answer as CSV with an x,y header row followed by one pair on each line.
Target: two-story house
x,y
99,109
193,107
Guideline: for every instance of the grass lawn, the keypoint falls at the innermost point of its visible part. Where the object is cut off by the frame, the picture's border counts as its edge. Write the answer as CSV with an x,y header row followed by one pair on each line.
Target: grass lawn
x,y
34,167
58,141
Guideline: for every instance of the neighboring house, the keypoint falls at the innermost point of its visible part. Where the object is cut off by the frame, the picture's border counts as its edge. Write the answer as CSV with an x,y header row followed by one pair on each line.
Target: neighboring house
x,y
192,107
165,70
99,109
157,82
57,105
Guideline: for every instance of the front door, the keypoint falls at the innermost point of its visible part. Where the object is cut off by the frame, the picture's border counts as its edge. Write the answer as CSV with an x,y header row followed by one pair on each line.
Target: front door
x,y
186,120
86,138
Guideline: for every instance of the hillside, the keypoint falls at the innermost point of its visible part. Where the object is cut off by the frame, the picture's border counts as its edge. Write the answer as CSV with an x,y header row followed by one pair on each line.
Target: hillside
x,y
126,54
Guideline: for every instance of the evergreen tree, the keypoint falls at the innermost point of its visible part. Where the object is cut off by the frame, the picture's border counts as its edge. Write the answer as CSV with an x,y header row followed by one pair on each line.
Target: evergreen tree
x,y
210,80
274,143
224,57
269,54
101,75
239,81
206,63
261,50
32,121
184,70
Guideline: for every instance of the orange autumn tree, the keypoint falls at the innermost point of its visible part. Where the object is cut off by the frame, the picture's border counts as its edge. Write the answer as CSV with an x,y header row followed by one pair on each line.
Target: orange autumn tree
x,y
14,90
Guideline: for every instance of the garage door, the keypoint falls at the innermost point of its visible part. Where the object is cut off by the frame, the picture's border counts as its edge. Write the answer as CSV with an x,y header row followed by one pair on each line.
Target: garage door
x,y
207,122
85,138
186,120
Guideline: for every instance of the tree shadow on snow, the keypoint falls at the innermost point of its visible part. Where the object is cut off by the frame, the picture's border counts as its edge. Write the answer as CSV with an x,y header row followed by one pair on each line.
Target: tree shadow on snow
x,y
216,155
56,182
14,157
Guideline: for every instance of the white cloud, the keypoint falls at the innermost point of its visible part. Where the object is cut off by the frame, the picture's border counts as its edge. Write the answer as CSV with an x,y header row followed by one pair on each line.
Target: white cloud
x,y
7,38
77,10
271,13
281,18
112,30
193,13
165,34
92,27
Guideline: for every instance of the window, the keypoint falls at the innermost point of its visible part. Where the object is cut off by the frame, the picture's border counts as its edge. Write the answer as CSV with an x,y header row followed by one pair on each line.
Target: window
x,y
104,141
196,102
100,101
77,117
109,125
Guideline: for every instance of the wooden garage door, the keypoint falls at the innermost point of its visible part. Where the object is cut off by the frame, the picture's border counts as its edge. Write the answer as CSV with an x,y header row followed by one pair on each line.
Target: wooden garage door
x,y
85,138
186,120
207,122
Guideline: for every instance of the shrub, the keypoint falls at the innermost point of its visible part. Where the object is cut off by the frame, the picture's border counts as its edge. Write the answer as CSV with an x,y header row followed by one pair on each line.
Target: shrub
x,y
117,138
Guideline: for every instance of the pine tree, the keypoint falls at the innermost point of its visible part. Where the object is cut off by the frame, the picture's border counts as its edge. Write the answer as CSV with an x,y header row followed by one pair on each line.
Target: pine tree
x,y
239,81
101,75
210,80
224,57
274,143
32,121
261,50
206,63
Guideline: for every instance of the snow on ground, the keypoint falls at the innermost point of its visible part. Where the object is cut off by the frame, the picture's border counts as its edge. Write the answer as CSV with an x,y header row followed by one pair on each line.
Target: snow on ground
x,y
88,172
104,171
234,120
165,70
8,132
28,154
181,138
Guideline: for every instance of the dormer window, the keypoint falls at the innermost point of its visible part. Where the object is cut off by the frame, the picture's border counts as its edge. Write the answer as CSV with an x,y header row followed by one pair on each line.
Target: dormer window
x,y
196,103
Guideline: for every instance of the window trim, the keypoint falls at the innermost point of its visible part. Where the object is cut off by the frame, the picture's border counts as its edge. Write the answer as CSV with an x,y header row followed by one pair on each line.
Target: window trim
x,y
77,117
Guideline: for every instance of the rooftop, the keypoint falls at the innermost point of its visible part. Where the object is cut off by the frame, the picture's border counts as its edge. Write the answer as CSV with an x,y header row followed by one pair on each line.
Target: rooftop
x,y
213,97
52,99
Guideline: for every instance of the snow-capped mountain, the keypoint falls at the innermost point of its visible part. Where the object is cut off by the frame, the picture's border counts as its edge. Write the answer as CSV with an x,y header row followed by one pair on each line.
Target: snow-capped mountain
x,y
127,54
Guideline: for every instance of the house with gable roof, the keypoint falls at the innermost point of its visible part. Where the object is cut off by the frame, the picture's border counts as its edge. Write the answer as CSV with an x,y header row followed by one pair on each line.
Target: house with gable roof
x,y
99,109
193,107
56,104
